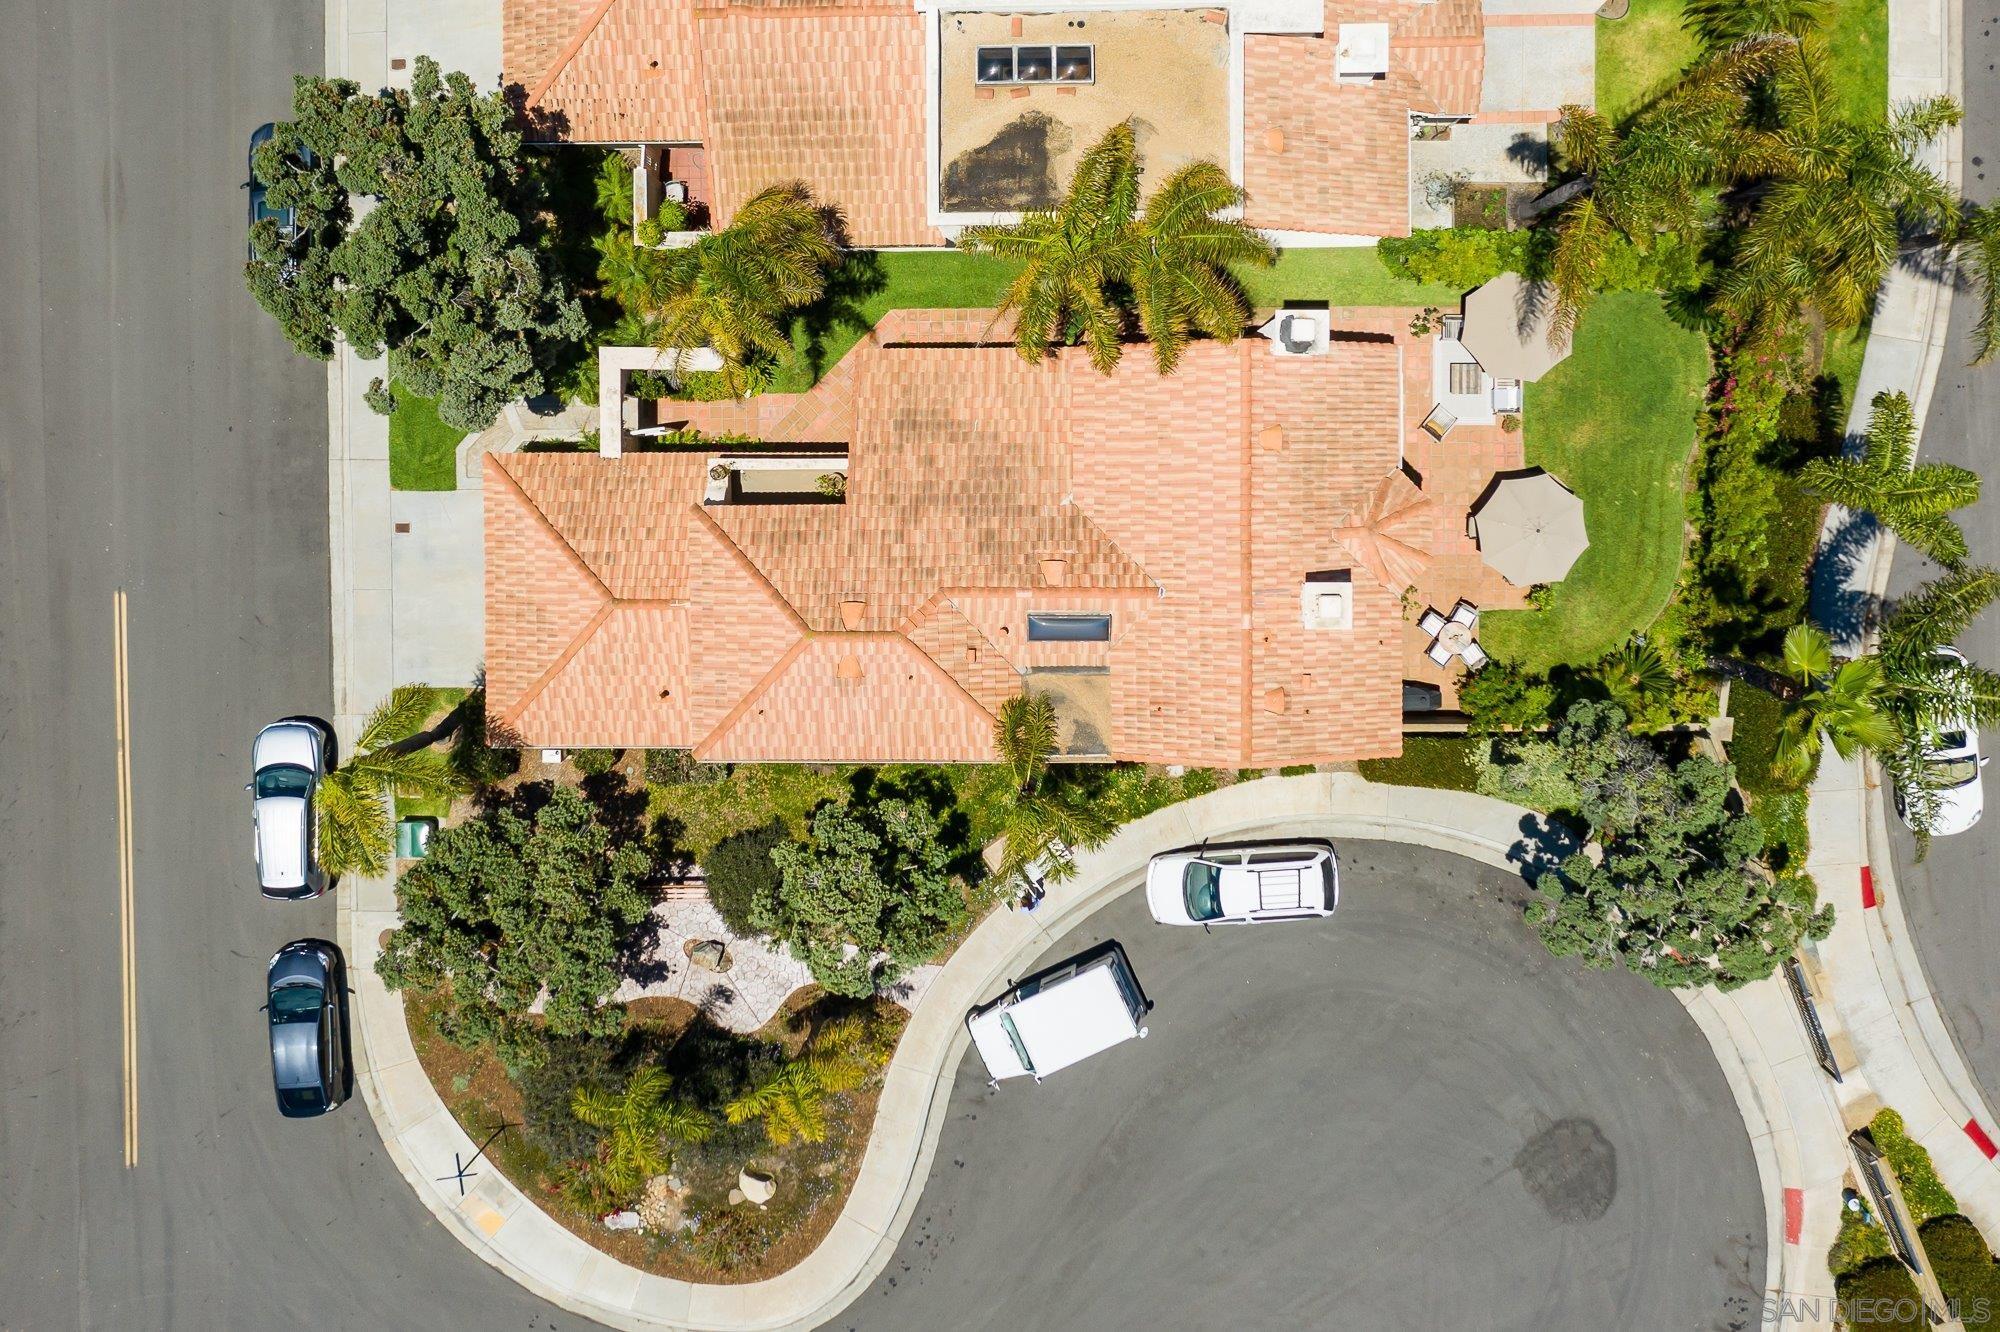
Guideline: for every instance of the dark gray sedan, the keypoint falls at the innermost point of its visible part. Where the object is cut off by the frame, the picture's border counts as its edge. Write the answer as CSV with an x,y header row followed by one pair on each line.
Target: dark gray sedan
x,y
304,1005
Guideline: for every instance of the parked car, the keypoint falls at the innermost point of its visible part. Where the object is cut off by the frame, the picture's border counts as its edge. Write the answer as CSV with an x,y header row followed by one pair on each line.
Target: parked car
x,y
1058,1017
260,205
304,991
1954,762
1235,884
287,760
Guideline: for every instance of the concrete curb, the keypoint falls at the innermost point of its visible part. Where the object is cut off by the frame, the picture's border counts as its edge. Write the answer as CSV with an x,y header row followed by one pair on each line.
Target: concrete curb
x,y
502,1226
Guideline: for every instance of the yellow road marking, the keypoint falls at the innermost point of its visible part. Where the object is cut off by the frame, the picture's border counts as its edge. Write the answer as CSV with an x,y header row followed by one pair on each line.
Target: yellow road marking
x,y
128,956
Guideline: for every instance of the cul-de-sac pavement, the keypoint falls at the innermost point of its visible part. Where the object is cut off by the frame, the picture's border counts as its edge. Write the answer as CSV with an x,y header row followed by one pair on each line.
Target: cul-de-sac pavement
x,y
704,664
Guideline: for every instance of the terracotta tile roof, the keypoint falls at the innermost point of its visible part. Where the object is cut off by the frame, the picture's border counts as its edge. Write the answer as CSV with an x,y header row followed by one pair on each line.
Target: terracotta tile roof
x,y
834,98
1320,155
828,93
621,611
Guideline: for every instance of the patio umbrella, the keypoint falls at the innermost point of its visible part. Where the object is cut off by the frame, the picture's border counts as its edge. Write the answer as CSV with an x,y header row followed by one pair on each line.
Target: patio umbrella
x,y
1530,529
1507,328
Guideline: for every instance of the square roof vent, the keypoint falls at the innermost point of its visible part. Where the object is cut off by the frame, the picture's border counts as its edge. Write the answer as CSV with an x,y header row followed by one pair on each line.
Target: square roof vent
x,y
1326,600
1362,55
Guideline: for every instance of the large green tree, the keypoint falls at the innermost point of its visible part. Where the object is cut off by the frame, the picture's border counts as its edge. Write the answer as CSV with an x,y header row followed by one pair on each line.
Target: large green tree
x,y
511,907
448,270
867,896
1912,500
1677,895
1084,258
731,289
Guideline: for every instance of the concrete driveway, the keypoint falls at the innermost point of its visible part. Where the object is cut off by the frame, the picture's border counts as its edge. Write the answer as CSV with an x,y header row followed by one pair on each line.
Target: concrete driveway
x,y
1407,1116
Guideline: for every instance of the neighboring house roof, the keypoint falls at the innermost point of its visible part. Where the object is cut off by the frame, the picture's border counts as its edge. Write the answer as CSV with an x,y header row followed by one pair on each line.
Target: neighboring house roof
x,y
832,93
622,611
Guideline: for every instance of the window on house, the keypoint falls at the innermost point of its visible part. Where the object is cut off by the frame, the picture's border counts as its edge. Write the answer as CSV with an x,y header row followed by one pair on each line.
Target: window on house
x,y
1052,627
1036,64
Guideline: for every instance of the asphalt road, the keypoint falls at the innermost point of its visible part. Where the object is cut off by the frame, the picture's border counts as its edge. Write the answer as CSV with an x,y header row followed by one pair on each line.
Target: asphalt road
x,y
1951,899
1407,1116
157,435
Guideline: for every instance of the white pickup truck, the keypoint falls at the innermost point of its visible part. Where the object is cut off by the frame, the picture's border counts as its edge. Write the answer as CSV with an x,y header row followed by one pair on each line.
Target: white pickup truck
x,y
1061,1016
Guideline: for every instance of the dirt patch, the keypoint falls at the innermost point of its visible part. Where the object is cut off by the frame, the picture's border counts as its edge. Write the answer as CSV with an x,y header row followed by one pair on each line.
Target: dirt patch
x,y
1011,172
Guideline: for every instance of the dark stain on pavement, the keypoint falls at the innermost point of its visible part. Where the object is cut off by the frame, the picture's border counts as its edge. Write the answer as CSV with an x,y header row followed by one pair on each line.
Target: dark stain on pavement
x,y
1571,1169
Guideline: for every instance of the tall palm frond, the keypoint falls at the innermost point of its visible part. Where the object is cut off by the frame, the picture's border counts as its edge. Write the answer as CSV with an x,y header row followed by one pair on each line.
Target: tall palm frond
x,y
1937,613
1049,825
356,826
397,717
355,803
1025,733
1914,502
1720,23
1181,278
1978,245
639,1121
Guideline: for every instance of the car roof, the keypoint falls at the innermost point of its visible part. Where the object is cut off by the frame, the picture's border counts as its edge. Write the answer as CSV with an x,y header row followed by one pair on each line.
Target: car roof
x,y
285,742
1073,1019
295,1054
281,841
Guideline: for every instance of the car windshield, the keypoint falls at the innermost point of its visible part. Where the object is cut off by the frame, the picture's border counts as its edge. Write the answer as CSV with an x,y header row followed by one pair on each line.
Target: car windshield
x,y
1951,740
1014,1039
302,1098
1954,772
1203,889
298,1002
284,780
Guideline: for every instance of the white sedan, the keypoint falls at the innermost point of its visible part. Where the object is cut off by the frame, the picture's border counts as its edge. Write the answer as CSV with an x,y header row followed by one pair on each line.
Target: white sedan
x,y
1954,763
1238,884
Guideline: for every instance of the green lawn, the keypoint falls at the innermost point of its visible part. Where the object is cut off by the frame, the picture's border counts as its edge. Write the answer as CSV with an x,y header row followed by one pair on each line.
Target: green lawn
x,y
1615,421
872,284
423,451
1639,55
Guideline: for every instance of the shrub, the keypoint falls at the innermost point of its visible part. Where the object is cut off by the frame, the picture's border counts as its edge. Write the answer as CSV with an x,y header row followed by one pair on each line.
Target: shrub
x,y
672,216
1753,743
1964,1267
594,762
473,757
649,384
1442,762
1461,257
649,232
740,869
381,399
1880,1296
547,1087
1499,697
1860,1241
1922,1189
677,767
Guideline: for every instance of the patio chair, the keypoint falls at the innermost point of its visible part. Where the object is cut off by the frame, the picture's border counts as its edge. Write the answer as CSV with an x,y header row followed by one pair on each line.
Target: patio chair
x,y
1440,654
1465,612
1463,377
1475,656
1453,325
1430,622
1506,395
1439,423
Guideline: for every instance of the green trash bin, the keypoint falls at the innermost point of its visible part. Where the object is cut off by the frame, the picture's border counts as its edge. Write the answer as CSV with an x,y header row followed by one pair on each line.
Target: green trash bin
x,y
413,836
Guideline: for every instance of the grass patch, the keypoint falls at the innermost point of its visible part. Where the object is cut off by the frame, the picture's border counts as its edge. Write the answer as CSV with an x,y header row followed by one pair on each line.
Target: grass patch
x,y
1923,1191
750,796
1639,55
1442,762
1857,44
870,284
1616,422
423,451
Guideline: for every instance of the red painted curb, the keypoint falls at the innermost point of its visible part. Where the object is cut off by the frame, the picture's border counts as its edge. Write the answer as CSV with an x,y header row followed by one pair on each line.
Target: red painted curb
x,y
1868,898
1795,1214
1980,1140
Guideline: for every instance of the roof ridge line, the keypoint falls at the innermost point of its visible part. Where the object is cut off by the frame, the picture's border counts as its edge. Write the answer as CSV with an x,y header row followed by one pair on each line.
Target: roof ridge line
x,y
576,558
569,51
706,745
744,562
512,715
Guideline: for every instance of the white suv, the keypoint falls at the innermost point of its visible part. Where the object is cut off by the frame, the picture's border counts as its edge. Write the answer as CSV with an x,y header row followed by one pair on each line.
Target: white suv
x,y
287,760
1240,884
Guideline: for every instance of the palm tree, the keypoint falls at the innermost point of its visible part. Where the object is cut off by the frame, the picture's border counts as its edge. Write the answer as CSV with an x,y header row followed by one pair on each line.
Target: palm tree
x,y
1914,502
1937,613
1723,23
731,289
640,1122
1978,244
1633,676
791,1099
1072,255
1832,198
355,805
1844,705
1025,735
1653,176
1181,281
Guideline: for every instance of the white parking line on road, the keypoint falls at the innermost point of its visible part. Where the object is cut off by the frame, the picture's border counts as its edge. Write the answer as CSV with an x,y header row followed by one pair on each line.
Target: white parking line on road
x,y
128,956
